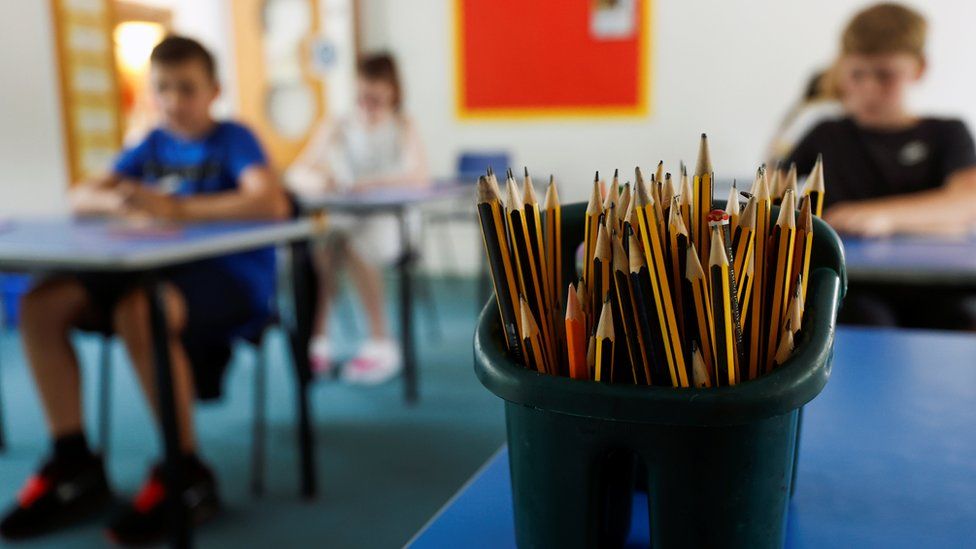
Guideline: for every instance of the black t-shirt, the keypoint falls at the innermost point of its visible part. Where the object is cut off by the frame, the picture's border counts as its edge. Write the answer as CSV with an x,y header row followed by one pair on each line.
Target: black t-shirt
x,y
860,163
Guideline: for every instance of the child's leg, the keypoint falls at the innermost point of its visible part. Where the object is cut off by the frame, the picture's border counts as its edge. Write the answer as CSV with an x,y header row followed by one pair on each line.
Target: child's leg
x,y
132,324
328,264
369,283
48,313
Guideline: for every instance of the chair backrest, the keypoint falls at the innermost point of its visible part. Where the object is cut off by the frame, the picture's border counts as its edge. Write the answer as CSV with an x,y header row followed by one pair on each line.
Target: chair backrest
x,y
473,164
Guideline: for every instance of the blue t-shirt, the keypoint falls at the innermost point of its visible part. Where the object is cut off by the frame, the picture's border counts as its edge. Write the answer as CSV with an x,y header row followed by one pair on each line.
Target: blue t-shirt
x,y
211,164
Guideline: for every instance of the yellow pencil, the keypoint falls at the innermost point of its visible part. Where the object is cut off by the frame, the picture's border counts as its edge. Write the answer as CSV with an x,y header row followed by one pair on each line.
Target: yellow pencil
x,y
500,259
686,199
528,270
531,341
781,243
726,358
661,289
742,247
667,195
623,204
732,208
814,188
702,204
602,263
757,324
700,299
628,316
784,349
698,368
647,322
535,229
677,253
604,345
803,247
592,224
553,238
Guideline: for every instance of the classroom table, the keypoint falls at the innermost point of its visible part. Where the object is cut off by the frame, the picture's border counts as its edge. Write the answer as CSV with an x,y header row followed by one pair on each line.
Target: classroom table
x,y
912,260
398,202
888,459
65,244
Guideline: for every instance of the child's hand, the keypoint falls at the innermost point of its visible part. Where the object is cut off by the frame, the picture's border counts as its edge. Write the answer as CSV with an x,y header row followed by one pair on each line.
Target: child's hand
x,y
861,219
141,201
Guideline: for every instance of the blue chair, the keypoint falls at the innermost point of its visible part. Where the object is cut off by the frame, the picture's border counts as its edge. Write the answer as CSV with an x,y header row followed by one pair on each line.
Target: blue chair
x,y
473,164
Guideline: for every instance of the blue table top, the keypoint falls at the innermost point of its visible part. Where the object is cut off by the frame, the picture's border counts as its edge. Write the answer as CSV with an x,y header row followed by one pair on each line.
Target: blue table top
x,y
918,260
114,245
887,459
388,199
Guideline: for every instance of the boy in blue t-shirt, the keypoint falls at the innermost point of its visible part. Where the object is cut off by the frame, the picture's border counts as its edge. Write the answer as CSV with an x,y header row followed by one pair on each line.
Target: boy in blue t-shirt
x,y
191,168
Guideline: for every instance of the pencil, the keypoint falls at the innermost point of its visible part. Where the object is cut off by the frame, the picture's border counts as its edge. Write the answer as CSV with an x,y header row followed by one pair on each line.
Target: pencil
x,y
726,359
613,193
656,372
602,263
667,196
583,297
591,355
700,298
702,202
781,244
784,349
623,204
794,314
661,289
526,266
592,223
686,198
536,240
698,368
628,316
745,300
553,238
604,344
776,181
677,253
500,264
814,188
532,341
719,221
732,208
742,247
803,247
789,182
757,329
575,336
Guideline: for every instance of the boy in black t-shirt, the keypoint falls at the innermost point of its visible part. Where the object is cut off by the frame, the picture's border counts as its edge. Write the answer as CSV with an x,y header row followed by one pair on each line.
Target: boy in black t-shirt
x,y
889,171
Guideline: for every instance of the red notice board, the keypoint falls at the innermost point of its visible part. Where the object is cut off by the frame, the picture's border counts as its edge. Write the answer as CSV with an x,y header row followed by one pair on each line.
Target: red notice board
x,y
552,58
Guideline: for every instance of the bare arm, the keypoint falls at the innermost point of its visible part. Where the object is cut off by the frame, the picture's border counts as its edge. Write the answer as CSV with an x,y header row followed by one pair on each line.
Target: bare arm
x,y
98,196
258,196
311,172
950,209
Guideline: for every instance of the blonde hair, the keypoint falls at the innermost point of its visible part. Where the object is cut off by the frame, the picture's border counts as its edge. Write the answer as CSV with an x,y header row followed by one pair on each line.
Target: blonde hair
x,y
883,29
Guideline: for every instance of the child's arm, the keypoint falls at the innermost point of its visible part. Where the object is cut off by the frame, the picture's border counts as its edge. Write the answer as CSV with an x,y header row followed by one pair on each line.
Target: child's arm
x,y
413,170
312,172
100,196
950,209
258,196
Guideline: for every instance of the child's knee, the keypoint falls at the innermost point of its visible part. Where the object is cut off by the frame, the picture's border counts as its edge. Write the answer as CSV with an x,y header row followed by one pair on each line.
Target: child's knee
x,y
50,305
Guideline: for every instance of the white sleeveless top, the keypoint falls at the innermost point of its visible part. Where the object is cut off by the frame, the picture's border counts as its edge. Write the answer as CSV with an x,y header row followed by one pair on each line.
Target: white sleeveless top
x,y
361,151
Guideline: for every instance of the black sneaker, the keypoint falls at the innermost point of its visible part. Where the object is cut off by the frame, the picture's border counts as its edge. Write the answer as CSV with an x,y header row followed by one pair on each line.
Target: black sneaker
x,y
145,521
59,495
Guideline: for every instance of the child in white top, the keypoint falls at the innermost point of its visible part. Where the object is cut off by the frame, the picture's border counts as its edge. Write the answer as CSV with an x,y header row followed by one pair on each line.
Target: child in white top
x,y
375,148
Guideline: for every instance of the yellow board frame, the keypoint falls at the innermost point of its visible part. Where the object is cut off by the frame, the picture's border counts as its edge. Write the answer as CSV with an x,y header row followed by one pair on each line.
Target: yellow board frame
x,y
644,91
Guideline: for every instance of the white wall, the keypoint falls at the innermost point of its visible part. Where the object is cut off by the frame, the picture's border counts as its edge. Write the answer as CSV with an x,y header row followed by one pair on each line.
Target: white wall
x,y
757,55
33,171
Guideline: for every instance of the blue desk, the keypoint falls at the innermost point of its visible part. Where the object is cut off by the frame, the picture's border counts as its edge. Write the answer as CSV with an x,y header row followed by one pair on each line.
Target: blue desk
x,y
71,245
888,458
912,260
395,201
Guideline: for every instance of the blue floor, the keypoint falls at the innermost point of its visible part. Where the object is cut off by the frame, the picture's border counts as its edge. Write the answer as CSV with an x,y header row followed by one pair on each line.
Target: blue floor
x,y
384,468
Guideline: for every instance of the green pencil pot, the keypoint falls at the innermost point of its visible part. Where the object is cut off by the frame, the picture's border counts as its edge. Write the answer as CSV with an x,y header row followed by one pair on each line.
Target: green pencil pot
x,y
719,462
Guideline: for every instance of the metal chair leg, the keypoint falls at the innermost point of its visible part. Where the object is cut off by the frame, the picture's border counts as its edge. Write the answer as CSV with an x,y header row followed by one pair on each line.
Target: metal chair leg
x,y
259,420
105,397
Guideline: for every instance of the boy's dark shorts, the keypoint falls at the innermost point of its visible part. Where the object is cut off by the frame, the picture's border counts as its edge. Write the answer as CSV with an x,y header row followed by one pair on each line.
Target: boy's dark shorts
x,y
219,309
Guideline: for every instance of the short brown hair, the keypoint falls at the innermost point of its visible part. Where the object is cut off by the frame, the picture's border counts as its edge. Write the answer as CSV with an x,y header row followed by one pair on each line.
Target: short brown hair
x,y
382,67
175,50
885,28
